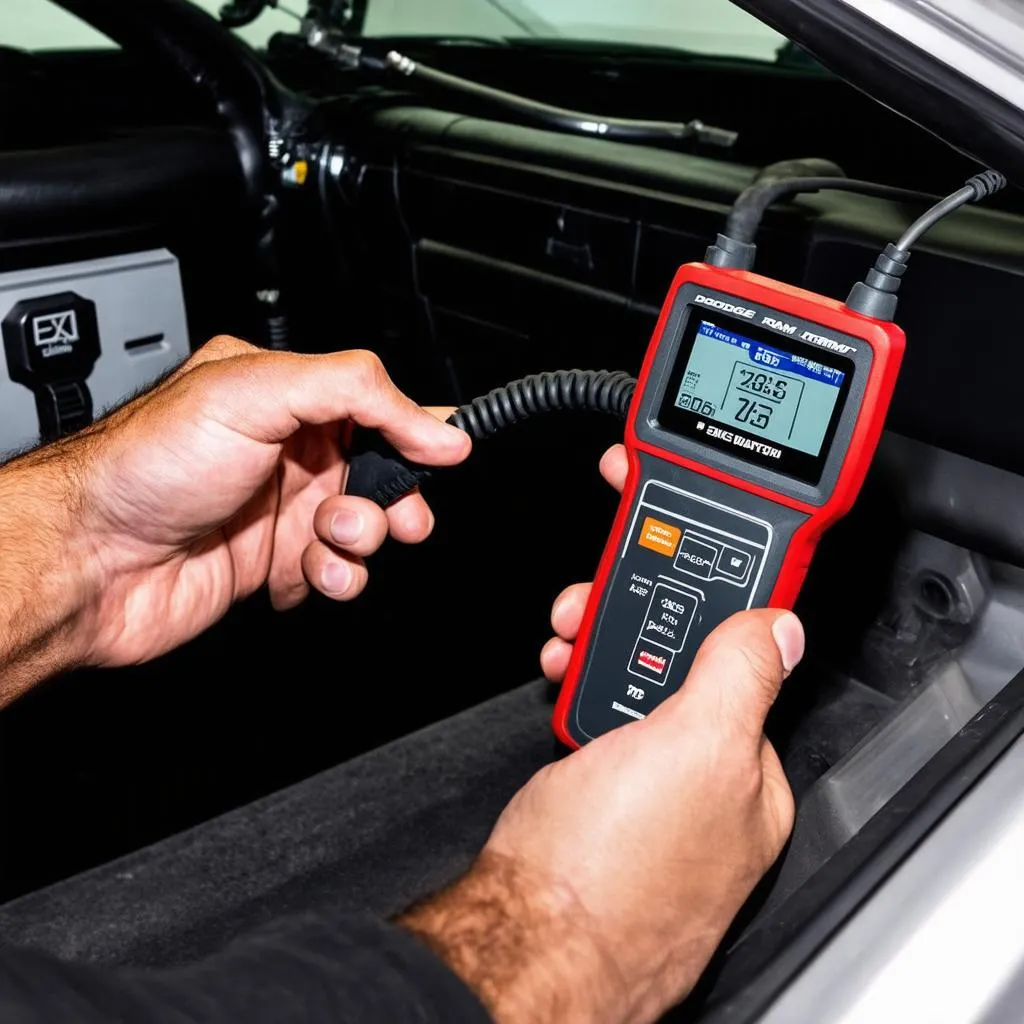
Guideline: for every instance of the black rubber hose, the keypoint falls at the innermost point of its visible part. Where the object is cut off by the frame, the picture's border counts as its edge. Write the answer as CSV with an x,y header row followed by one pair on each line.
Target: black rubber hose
x,y
750,208
384,477
978,188
877,296
545,115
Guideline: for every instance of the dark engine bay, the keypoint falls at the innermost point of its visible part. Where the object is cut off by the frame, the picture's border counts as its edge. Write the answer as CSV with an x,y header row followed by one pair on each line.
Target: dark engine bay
x,y
468,251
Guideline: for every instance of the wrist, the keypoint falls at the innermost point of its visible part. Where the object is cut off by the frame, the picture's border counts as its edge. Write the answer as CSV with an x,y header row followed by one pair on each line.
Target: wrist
x,y
523,943
49,575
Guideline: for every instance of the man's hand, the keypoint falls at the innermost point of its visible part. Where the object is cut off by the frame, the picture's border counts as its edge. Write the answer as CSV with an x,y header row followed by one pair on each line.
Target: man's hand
x,y
225,477
612,877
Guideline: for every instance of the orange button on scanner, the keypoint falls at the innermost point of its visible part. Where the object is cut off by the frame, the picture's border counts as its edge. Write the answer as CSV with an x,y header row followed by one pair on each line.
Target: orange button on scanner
x,y
660,537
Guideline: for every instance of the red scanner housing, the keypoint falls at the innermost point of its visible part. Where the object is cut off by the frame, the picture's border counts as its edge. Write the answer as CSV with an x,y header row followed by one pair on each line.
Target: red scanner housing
x,y
804,511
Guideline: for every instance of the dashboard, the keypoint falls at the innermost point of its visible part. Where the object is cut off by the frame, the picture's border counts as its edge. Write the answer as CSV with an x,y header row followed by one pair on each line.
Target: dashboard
x,y
591,233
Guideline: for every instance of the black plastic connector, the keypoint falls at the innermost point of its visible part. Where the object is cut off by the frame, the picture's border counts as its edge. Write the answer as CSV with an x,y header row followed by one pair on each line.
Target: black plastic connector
x,y
731,254
877,295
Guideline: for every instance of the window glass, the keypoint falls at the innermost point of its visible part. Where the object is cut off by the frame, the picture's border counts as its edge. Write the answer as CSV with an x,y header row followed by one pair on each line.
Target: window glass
x,y
42,25
714,27
711,27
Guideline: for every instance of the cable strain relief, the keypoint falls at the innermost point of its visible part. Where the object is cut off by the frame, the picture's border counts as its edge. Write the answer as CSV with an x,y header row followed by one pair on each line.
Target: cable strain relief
x,y
877,296
986,184
730,254
871,302
893,262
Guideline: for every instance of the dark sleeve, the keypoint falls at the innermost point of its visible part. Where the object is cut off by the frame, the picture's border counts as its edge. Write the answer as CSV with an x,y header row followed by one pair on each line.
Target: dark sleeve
x,y
311,970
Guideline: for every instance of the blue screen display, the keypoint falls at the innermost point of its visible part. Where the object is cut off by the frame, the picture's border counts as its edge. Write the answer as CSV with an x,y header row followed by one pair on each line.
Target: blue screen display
x,y
784,398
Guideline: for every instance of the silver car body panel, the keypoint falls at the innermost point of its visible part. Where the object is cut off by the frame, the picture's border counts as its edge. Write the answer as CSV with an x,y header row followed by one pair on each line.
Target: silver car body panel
x,y
942,940
981,39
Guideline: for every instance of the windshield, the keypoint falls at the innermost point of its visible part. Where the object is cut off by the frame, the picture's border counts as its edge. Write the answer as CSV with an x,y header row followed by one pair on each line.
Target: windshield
x,y
709,27
713,27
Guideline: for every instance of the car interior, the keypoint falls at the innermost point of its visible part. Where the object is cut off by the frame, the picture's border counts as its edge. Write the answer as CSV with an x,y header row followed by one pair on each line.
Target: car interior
x,y
469,249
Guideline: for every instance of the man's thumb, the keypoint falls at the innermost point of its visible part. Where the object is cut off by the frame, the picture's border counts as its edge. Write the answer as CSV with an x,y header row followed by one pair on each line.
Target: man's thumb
x,y
740,668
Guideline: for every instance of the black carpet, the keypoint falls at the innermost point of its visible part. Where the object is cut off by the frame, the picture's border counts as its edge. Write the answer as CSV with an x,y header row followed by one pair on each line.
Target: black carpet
x,y
372,834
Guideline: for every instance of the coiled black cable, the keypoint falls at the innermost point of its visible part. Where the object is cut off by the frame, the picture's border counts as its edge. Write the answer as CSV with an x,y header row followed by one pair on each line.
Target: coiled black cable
x,y
564,390
384,478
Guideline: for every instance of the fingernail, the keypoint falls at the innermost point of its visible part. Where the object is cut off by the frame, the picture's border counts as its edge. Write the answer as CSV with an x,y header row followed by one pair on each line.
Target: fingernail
x,y
789,638
346,527
336,577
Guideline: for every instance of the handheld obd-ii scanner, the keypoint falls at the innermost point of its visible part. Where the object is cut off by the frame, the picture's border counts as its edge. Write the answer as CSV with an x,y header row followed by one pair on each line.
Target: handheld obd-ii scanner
x,y
757,413
749,432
